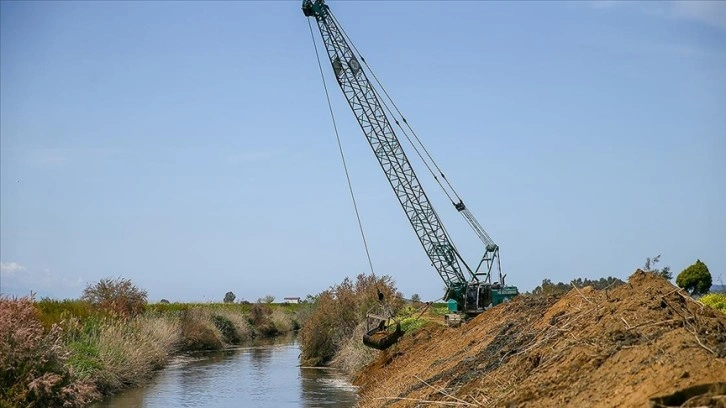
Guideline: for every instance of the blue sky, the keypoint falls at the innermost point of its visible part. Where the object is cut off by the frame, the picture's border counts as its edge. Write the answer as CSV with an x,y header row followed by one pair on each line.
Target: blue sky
x,y
187,146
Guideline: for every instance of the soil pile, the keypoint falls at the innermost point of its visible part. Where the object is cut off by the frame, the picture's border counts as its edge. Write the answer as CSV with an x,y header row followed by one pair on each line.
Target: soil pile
x,y
609,348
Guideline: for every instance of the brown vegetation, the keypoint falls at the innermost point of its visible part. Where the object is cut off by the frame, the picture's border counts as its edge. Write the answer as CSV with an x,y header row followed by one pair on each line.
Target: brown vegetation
x,y
337,313
116,296
33,370
593,348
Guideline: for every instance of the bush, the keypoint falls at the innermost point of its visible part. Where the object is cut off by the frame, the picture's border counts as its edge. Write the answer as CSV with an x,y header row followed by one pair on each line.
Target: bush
x,y
116,296
229,297
715,300
696,279
260,319
353,354
239,322
282,320
266,299
226,327
198,332
32,367
338,311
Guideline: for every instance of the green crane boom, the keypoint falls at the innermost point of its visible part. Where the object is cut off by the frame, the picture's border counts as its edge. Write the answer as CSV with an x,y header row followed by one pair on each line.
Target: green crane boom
x,y
472,295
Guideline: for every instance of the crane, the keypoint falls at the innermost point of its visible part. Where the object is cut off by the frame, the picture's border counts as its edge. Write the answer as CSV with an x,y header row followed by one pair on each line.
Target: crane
x,y
472,289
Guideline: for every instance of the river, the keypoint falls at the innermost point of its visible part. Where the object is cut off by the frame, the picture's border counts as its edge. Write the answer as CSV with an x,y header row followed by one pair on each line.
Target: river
x,y
262,374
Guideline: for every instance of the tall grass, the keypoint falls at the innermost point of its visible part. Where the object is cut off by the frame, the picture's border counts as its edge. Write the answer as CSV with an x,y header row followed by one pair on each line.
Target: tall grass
x,y
338,311
353,354
198,331
243,331
53,311
129,351
282,320
33,370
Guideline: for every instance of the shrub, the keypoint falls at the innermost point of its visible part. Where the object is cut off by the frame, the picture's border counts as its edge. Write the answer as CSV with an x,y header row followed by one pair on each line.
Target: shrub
x,y
282,320
198,332
696,278
226,327
266,299
260,318
338,311
32,361
715,300
353,354
229,297
239,322
259,313
116,296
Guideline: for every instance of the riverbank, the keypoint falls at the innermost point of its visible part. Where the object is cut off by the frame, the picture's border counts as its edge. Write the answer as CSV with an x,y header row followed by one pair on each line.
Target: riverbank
x,y
70,353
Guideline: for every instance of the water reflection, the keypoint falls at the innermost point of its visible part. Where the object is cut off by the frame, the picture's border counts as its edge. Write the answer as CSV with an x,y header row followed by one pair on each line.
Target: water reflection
x,y
263,374
320,388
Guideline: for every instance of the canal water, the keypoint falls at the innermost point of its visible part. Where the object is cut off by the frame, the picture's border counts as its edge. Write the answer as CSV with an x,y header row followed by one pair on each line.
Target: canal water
x,y
263,374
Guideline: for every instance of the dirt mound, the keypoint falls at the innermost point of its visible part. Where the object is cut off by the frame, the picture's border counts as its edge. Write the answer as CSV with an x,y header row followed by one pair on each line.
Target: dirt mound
x,y
616,348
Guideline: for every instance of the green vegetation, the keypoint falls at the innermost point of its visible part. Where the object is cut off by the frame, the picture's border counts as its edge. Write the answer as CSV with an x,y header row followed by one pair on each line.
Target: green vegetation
x,y
650,267
696,279
548,288
715,300
229,297
70,352
266,299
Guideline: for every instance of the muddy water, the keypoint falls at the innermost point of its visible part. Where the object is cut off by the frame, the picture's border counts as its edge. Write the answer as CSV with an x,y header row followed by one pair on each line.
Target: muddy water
x,y
259,375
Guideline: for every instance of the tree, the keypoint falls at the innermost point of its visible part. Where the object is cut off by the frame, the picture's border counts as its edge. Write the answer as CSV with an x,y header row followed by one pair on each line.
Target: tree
x,y
116,296
696,279
649,266
229,297
415,298
266,299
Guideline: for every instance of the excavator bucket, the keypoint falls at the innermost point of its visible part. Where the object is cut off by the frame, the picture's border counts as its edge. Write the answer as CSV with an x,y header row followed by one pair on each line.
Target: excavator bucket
x,y
380,337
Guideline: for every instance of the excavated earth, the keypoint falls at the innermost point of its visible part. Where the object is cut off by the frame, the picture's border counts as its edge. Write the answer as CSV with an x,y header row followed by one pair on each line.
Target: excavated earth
x,y
642,344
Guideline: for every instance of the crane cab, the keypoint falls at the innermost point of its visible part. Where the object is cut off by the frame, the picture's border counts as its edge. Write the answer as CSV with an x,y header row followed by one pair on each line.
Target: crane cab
x,y
478,298
482,296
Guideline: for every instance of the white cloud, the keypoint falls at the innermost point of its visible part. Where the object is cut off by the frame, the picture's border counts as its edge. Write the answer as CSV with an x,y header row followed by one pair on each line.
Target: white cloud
x,y
41,282
10,268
